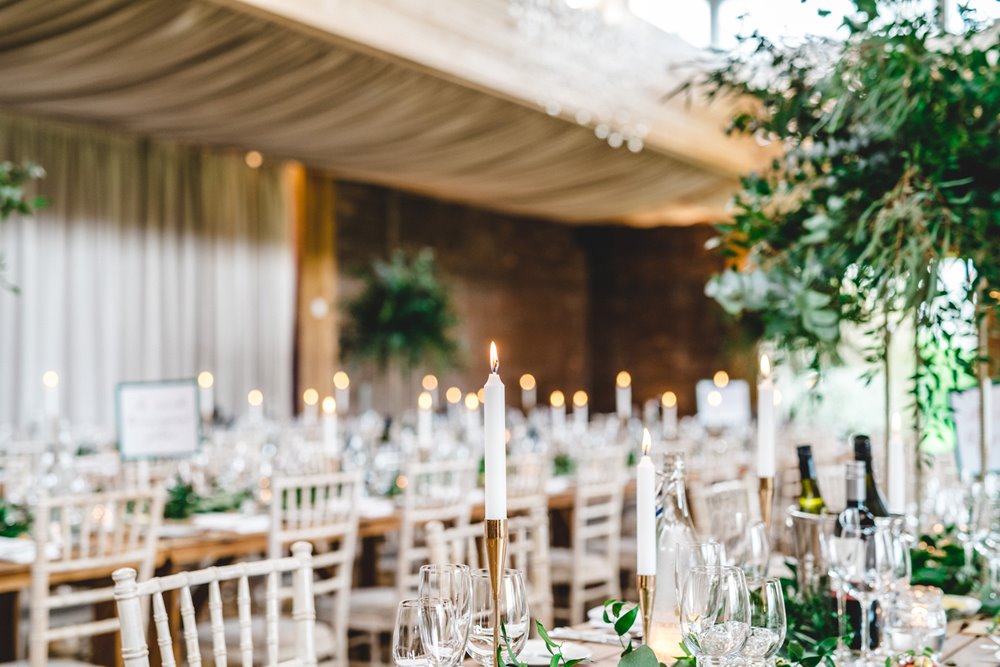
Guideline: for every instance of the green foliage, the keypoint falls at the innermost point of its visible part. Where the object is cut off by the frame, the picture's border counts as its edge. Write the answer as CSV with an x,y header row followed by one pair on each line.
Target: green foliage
x,y
13,199
15,520
403,315
812,627
938,561
183,501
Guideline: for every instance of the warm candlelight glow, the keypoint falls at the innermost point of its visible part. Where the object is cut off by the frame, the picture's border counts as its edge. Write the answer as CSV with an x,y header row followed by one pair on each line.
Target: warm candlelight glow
x,y
580,398
341,380
205,380
714,398
50,379
765,366
253,159
557,399
647,442
453,395
669,399
494,359
429,383
481,395
310,396
425,401
329,405
527,382
721,379
623,379
471,401
255,397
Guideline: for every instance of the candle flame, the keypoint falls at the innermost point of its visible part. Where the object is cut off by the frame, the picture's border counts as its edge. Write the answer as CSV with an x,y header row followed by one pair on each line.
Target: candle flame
x,y
580,398
329,405
527,382
720,379
50,379
623,379
310,396
454,394
647,442
494,359
255,397
557,399
765,366
669,399
341,380
429,383
205,380
424,401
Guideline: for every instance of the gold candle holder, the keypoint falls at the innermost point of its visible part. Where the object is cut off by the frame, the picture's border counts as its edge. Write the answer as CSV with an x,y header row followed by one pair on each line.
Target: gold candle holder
x,y
765,493
646,586
496,556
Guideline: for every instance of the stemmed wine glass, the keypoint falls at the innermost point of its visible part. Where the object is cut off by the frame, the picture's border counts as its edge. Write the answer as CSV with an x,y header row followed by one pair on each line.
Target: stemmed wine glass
x,y
513,615
427,634
967,516
453,583
715,614
767,622
756,553
695,554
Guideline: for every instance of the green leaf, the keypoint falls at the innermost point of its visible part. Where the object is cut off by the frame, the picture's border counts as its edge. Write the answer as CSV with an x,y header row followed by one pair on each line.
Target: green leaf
x,y
640,657
625,621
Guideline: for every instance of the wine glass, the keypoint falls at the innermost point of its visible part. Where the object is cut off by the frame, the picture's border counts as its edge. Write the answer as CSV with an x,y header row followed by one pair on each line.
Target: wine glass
x,y
756,554
451,582
767,622
968,507
862,558
695,554
715,614
443,635
513,615
408,648
988,544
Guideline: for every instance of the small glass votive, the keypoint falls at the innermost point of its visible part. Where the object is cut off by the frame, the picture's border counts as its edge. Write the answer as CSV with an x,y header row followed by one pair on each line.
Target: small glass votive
x,y
917,620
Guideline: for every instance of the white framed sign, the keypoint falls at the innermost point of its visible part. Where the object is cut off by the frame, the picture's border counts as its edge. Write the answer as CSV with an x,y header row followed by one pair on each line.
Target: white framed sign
x,y
965,413
158,419
728,407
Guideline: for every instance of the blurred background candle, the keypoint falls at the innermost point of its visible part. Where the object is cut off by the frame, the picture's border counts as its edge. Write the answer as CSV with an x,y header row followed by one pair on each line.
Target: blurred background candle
x,y
581,412
896,473
645,511
557,403
206,395
425,415
529,392
342,391
669,404
765,420
255,399
51,381
310,405
471,415
494,425
330,442
623,395
430,385
453,396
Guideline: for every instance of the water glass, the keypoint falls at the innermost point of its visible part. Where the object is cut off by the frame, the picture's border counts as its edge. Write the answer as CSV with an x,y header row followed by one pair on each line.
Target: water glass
x,y
425,634
767,622
715,614
695,554
513,615
453,583
917,620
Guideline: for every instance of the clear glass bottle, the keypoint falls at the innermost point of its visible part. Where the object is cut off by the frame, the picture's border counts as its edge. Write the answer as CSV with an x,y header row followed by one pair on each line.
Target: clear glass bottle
x,y
673,527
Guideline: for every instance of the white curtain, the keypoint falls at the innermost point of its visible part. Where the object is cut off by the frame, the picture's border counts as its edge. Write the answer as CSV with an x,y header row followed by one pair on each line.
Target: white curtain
x,y
152,260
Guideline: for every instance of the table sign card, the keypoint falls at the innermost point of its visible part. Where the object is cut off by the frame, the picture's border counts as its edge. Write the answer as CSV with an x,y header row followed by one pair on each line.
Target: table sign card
x,y
157,419
725,407
965,412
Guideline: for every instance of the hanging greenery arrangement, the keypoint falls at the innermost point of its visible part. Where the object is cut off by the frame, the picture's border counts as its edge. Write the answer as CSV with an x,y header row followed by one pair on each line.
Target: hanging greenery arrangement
x,y
14,199
402,316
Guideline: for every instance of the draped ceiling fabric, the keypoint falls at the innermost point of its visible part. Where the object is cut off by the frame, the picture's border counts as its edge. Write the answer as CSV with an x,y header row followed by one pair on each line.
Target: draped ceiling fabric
x,y
218,73
151,261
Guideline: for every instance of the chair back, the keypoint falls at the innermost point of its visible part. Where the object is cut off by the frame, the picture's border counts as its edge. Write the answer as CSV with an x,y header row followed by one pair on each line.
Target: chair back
x,y
83,537
130,594
597,513
527,475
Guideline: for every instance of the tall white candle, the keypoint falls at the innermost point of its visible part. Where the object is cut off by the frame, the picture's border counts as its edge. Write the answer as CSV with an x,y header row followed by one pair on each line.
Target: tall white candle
x,y
581,413
430,385
425,416
645,511
310,406
496,446
472,419
206,395
255,399
669,403
330,442
623,395
765,421
557,405
529,392
896,474
986,387
342,391
51,381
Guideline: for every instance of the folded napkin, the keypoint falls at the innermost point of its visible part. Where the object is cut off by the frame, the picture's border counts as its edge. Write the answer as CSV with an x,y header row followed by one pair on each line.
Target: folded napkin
x,y
375,508
17,550
555,485
232,522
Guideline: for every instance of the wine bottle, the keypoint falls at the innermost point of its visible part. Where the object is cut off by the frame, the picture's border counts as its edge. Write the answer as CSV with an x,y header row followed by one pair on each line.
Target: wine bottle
x,y
810,498
855,515
873,497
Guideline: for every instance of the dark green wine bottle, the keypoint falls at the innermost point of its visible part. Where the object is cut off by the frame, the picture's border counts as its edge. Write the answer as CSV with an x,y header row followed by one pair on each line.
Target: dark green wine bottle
x,y
873,497
810,498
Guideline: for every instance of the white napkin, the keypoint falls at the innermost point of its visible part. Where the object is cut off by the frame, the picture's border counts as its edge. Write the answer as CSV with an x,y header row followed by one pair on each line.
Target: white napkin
x,y
375,508
232,522
554,485
17,550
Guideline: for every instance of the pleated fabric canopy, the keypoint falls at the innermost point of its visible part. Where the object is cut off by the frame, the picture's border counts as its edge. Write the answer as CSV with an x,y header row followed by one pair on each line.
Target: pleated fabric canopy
x,y
224,74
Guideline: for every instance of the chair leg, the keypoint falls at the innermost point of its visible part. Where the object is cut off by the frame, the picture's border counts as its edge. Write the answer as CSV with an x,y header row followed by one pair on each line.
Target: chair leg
x,y
375,649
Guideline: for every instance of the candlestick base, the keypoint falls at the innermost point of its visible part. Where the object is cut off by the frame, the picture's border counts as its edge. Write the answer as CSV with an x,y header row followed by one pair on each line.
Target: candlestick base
x,y
496,556
765,493
646,587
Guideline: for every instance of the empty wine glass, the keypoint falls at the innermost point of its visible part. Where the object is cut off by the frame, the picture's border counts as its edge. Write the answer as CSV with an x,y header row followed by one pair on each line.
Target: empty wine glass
x,y
409,646
451,582
767,622
715,614
695,554
968,508
513,615
443,635
756,554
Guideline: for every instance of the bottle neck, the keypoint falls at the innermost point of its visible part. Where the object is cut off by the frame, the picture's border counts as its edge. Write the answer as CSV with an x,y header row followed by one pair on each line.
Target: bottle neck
x,y
674,498
807,468
856,491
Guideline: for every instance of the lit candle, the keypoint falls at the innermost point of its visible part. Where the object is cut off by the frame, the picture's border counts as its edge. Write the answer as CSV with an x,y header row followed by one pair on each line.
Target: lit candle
x,y
623,395
310,406
896,473
529,392
51,381
425,415
669,403
256,400
454,398
580,411
496,451
342,391
430,385
471,416
557,401
765,420
330,442
206,395
645,511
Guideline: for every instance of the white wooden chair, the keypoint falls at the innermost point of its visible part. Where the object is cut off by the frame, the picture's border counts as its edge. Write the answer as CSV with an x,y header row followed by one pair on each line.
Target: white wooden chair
x,y
527,475
433,491
527,550
590,566
86,535
129,595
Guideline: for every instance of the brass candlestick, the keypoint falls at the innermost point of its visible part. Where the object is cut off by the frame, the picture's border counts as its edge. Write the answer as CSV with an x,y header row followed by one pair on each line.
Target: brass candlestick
x,y
496,556
646,586
765,492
